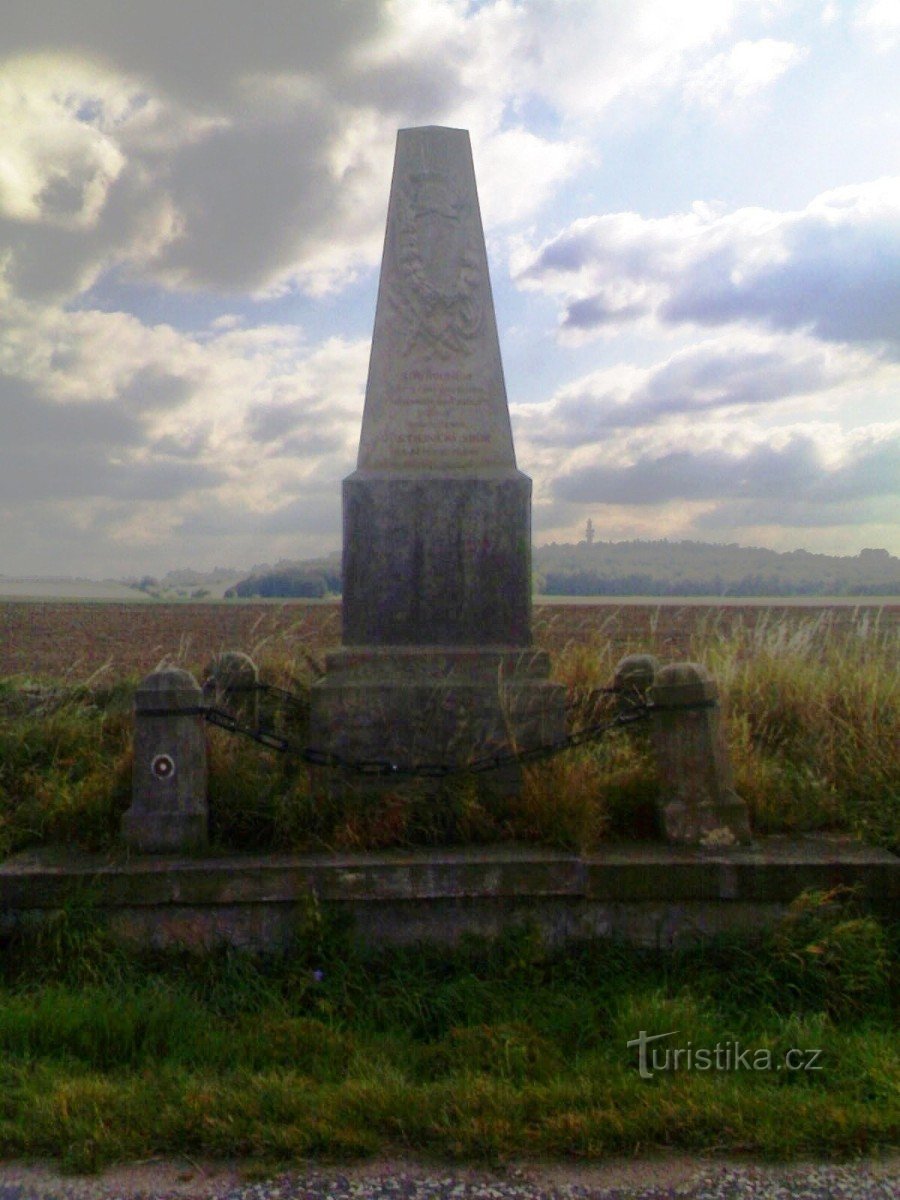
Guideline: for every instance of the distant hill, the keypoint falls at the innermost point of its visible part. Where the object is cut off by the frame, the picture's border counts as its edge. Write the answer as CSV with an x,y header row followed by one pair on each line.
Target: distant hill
x,y
185,584
638,568
310,579
666,568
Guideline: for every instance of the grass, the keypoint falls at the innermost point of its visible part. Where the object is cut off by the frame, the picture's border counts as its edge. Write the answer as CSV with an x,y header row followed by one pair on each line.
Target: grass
x,y
811,711
492,1051
495,1050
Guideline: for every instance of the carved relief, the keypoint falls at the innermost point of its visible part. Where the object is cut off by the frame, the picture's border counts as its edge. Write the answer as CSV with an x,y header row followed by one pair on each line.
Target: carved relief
x,y
435,300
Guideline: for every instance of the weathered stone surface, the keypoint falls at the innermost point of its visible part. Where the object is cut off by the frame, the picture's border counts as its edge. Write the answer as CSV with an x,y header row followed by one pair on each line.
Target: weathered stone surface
x,y
651,894
437,561
232,682
435,396
633,678
442,705
169,807
698,804
437,519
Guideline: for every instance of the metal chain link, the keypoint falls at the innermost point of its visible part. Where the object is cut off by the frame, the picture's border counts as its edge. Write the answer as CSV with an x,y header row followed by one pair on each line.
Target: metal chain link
x,y
638,710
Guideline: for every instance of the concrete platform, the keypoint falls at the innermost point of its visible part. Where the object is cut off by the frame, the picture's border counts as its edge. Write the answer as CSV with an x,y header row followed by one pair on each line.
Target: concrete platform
x,y
649,894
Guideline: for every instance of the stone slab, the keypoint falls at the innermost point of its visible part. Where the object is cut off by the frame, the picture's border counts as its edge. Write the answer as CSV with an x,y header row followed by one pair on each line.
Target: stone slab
x,y
650,894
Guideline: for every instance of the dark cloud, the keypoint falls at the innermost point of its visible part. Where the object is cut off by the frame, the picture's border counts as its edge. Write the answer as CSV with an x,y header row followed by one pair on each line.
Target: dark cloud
x,y
52,451
251,200
152,389
297,429
313,512
316,511
188,448
597,311
705,378
832,269
222,175
795,471
197,49
48,261
841,282
159,479
735,515
271,422
28,421
312,443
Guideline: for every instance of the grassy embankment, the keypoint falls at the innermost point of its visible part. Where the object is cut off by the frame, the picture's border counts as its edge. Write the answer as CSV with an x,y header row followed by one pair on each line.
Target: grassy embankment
x,y
493,1051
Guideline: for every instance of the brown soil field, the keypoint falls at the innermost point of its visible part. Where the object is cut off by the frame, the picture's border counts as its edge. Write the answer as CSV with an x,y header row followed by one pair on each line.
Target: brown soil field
x,y
73,641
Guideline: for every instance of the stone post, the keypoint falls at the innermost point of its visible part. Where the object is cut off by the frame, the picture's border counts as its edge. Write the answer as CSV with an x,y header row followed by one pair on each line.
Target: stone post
x,y
633,679
232,681
698,803
168,807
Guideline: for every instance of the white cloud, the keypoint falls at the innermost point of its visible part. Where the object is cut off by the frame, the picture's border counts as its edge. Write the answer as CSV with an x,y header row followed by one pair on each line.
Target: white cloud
x,y
832,268
740,72
58,159
243,147
582,56
879,21
730,375
136,428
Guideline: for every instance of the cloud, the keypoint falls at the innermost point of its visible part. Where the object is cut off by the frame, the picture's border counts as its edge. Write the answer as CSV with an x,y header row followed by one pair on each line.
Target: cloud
x,y
798,468
832,269
583,57
240,154
232,147
240,147
879,21
94,450
744,70
136,428
716,376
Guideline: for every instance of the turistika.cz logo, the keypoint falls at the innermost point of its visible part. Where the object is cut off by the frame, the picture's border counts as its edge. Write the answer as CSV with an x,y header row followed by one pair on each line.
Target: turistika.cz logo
x,y
724,1056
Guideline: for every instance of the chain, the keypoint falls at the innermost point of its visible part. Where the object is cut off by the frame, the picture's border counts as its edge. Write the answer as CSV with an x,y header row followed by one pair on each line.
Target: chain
x,y
634,708
637,710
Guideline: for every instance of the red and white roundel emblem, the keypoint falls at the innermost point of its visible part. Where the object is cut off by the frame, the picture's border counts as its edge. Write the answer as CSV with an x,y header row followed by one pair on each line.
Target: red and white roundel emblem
x,y
163,767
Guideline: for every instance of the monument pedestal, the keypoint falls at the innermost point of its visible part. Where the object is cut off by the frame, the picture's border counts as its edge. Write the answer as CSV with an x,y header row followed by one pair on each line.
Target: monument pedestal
x,y
418,707
436,558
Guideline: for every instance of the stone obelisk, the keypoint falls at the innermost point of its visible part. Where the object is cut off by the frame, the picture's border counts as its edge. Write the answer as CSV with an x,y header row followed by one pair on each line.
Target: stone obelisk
x,y
436,665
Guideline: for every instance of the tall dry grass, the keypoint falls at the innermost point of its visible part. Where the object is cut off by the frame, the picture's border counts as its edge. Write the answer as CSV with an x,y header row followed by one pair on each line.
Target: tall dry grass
x,y
810,709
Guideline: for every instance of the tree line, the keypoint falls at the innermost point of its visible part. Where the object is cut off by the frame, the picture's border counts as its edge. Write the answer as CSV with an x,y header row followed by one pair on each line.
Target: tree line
x,y
639,568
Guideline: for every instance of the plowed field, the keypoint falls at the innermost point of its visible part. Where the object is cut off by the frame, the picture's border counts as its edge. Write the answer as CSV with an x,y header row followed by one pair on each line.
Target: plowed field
x,y
74,640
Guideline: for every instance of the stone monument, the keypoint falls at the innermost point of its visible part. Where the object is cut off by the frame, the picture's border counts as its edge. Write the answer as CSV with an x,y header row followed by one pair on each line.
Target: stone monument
x,y
436,666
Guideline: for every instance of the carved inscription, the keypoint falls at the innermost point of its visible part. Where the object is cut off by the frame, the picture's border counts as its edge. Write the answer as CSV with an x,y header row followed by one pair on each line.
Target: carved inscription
x,y
440,415
435,397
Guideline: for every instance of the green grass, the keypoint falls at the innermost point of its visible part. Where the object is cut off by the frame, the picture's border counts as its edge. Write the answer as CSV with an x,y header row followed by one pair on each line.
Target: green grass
x,y
811,713
492,1051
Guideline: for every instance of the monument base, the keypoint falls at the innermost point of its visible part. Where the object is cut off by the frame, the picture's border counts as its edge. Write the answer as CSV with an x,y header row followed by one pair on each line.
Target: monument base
x,y
164,832
437,558
722,824
431,707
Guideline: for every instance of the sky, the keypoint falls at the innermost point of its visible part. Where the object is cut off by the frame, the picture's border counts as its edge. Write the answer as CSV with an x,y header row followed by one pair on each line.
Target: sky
x,y
692,216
